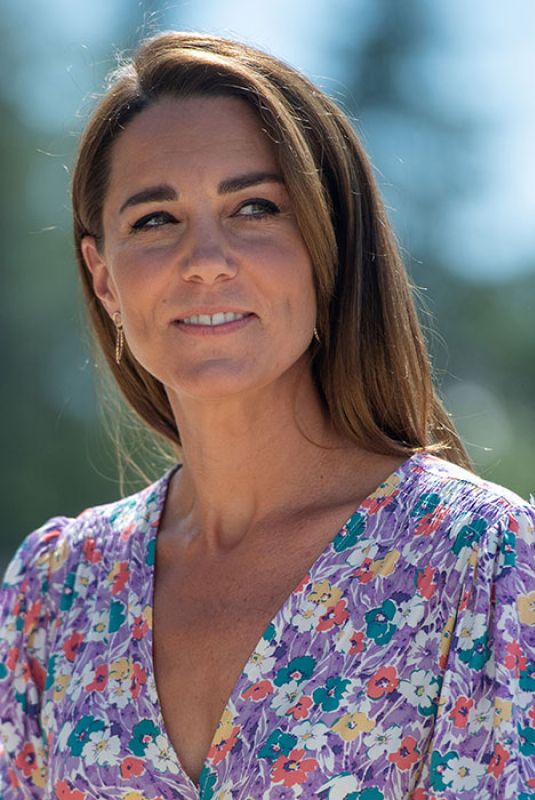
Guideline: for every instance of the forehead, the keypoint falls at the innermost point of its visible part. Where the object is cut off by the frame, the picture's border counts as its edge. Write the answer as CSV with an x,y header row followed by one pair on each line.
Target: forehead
x,y
199,135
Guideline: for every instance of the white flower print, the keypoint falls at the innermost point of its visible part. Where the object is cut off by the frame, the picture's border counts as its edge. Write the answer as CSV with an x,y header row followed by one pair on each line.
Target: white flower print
x,y
307,619
482,715
411,612
380,741
312,736
162,756
421,689
98,630
10,737
463,774
424,647
120,692
261,661
286,697
341,786
102,749
360,551
472,627
84,576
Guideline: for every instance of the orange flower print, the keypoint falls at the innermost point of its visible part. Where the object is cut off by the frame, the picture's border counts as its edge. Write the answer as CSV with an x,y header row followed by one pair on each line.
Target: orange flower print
x,y
222,746
100,681
140,627
383,682
90,551
12,658
425,582
357,643
71,646
407,754
460,712
531,715
293,768
32,616
301,708
119,577
302,584
139,679
258,691
26,761
37,673
335,615
499,759
515,660
420,794
365,574
64,791
431,522
132,767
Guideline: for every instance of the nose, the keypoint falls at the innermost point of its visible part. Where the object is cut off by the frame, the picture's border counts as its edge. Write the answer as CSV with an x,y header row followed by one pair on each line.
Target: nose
x,y
206,256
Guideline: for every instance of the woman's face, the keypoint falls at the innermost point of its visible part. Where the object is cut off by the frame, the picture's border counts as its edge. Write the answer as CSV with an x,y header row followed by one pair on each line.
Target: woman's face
x,y
202,253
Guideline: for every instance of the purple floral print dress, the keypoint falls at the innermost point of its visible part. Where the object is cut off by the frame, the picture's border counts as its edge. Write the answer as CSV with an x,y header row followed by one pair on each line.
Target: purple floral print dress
x,y
402,665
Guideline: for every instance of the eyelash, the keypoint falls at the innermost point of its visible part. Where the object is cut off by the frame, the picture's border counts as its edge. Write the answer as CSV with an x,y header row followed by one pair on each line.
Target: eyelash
x,y
268,209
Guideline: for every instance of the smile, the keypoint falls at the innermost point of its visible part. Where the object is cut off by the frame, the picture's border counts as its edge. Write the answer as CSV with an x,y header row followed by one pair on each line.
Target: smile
x,y
212,319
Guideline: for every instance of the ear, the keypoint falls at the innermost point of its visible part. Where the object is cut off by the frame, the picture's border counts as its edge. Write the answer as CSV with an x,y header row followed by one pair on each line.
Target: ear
x,y
103,284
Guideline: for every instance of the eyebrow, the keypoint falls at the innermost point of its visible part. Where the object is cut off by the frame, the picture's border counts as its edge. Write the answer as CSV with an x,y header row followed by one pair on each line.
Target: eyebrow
x,y
165,192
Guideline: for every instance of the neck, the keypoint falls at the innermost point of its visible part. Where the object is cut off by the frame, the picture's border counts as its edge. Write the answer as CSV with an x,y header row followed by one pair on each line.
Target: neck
x,y
249,459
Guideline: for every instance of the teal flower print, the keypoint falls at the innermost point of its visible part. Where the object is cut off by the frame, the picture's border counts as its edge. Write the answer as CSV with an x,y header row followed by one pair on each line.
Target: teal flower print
x,y
527,677
279,743
298,669
51,671
476,656
117,615
438,767
270,633
508,549
330,695
68,594
350,533
144,733
527,740
469,534
426,504
379,626
150,557
372,793
82,732
207,781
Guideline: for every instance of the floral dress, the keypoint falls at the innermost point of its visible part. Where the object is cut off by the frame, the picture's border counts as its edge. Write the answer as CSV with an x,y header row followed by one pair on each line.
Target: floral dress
x,y
401,667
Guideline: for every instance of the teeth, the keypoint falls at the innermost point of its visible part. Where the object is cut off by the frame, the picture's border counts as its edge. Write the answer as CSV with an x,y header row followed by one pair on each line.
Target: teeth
x,y
215,319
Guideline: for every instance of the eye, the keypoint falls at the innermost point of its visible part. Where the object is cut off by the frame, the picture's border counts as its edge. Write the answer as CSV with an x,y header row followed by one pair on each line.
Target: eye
x,y
258,208
153,220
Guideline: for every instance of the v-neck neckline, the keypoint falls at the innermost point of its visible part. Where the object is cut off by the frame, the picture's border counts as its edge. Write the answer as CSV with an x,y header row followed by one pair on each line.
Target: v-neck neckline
x,y
402,471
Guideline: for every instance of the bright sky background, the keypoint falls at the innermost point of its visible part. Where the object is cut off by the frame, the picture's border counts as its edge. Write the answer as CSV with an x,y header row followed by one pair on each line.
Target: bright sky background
x,y
487,61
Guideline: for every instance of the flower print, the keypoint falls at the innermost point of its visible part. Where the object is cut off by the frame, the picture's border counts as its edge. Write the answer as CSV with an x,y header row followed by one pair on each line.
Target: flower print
x,y
329,696
342,787
527,740
503,711
463,774
334,615
132,767
138,679
278,792
59,553
64,791
460,712
325,594
526,608
311,736
473,627
118,576
357,643
421,690
82,731
143,734
481,715
90,551
364,573
301,709
100,679
207,781
411,612
379,622
299,669
508,545
407,754
350,533
515,659
222,744
531,715
142,623
68,593
385,566
261,661
383,496
425,505
61,682
498,760
527,677
420,794
301,585
382,741
349,726
425,583
32,616
439,765
467,531
285,697
431,522
161,755
424,648
363,550
73,645
117,615
102,749
277,743
98,628
478,655
26,761
384,681
293,768
445,641
257,691
307,618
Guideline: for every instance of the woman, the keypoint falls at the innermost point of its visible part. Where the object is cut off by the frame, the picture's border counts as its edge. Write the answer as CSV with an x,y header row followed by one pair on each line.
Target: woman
x,y
315,603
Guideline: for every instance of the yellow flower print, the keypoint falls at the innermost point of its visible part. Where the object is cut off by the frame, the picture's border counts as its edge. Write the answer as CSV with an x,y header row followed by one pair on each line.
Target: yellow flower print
x,y
526,608
323,593
445,640
350,725
120,669
58,555
224,727
147,616
385,566
133,795
60,685
40,775
503,711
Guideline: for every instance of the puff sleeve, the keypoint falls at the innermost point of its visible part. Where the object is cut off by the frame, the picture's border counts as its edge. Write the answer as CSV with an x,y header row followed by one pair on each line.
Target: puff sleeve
x,y
483,745
26,621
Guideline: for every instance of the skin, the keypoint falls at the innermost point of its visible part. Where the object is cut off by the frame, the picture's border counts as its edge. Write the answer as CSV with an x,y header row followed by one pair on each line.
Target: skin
x,y
263,471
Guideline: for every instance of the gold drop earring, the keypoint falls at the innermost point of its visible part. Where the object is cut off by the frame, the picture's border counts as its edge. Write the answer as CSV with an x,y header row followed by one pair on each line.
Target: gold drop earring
x,y
119,336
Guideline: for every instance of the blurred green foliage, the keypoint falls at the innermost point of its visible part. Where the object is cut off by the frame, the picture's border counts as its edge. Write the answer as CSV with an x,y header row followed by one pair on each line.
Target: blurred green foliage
x,y
57,457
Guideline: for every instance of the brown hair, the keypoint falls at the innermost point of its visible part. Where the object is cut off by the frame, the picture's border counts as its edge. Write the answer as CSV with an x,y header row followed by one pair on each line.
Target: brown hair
x,y
371,366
